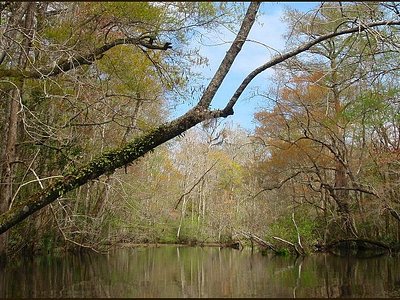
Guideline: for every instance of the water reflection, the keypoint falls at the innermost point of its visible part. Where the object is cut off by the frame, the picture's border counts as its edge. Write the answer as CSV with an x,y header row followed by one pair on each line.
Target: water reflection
x,y
200,272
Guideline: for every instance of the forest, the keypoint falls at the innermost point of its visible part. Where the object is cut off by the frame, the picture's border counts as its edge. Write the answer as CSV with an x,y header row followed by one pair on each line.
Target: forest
x,y
92,156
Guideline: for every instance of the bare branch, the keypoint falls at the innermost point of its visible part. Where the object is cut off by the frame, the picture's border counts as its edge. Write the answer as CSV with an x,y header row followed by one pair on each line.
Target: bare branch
x,y
117,158
228,110
230,56
88,59
193,186
278,185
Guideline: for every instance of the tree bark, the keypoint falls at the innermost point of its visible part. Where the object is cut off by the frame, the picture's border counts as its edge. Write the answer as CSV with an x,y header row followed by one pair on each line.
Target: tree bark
x,y
341,196
110,161
139,146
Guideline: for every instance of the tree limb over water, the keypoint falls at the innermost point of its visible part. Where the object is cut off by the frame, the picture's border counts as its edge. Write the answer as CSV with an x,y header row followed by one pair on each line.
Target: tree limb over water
x,y
139,146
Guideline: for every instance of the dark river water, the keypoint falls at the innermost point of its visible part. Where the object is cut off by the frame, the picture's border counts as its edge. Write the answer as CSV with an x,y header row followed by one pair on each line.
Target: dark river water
x,y
200,272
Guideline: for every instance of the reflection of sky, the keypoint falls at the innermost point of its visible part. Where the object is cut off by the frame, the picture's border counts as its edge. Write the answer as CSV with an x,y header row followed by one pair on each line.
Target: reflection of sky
x,y
267,31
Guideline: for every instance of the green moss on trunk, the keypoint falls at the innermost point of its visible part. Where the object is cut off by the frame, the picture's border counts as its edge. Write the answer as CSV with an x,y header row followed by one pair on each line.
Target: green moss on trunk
x,y
106,163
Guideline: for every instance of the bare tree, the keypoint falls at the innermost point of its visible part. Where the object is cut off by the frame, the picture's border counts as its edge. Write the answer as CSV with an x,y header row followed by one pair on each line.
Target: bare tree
x,y
109,161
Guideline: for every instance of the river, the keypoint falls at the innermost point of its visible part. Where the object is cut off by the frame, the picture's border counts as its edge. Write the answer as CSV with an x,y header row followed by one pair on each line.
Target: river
x,y
171,271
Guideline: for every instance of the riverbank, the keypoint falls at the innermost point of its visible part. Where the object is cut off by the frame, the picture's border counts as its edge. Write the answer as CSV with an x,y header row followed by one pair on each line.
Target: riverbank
x,y
352,247
233,245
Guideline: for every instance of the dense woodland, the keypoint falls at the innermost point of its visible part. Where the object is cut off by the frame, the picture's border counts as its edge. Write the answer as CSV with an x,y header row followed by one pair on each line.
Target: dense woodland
x,y
90,158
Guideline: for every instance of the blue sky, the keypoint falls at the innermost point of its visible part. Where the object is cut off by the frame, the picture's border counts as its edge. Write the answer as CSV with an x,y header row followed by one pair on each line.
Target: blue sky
x,y
268,31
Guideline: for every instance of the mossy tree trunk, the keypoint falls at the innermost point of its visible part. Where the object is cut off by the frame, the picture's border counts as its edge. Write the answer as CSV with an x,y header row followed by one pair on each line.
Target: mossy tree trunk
x,y
117,158
114,159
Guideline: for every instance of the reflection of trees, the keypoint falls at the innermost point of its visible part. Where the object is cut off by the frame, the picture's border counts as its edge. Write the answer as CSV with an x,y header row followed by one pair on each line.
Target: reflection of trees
x,y
299,265
345,281
356,277
200,272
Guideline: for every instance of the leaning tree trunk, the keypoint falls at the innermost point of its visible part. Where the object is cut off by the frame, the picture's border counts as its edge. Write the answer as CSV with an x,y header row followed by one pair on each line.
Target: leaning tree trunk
x,y
117,158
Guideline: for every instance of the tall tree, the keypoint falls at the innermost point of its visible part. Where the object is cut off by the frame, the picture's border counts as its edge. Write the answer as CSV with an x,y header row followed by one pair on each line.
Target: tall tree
x,y
68,63
81,78
310,114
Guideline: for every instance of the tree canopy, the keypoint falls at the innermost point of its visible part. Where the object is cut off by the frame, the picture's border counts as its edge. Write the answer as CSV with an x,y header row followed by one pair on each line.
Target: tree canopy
x,y
85,86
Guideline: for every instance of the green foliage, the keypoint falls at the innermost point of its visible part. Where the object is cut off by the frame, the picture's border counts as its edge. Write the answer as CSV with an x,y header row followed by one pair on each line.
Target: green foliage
x,y
82,112
190,232
74,118
48,241
372,108
168,236
230,172
282,252
284,228
59,32
134,12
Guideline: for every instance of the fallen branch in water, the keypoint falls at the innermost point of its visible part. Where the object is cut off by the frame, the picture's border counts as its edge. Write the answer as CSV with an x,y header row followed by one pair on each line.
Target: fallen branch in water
x,y
254,238
359,242
294,245
298,235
